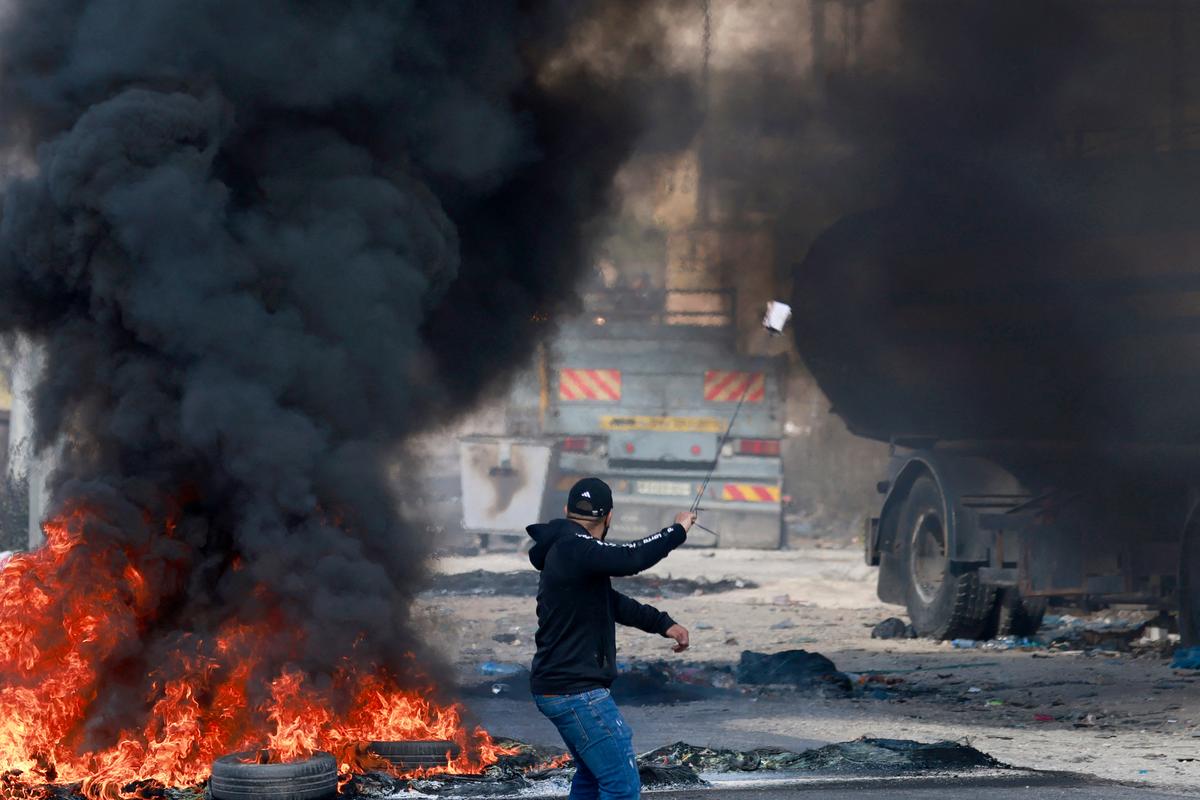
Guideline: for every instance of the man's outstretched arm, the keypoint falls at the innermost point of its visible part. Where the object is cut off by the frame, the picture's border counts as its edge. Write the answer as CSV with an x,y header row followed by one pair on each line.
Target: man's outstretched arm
x,y
632,557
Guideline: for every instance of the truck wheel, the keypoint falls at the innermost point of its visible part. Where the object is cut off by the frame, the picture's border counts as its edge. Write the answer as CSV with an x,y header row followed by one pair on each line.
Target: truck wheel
x,y
1189,583
1016,615
941,604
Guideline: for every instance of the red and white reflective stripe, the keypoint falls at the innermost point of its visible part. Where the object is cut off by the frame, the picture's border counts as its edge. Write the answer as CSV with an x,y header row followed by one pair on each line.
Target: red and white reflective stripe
x,y
728,386
598,385
751,492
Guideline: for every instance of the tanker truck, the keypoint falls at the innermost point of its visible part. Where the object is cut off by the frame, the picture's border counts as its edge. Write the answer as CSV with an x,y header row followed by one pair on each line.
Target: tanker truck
x,y
1033,360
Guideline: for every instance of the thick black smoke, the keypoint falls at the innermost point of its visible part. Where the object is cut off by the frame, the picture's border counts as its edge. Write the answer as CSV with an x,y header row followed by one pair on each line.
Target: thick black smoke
x,y
267,240
1004,190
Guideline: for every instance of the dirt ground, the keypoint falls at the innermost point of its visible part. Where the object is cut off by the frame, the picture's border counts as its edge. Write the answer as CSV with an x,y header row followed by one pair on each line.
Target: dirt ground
x,y
1115,716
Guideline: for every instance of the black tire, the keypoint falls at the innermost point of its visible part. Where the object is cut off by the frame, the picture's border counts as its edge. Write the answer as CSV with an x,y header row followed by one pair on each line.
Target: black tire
x,y
314,778
415,754
891,583
1018,616
1189,583
942,604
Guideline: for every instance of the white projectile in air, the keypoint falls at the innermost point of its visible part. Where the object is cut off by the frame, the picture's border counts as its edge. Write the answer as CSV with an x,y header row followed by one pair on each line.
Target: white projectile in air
x,y
777,317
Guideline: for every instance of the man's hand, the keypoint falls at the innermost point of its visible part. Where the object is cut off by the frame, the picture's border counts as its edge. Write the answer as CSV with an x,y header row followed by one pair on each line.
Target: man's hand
x,y
679,634
685,518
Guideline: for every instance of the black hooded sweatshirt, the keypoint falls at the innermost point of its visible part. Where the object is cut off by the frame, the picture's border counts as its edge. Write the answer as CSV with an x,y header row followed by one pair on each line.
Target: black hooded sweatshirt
x,y
577,606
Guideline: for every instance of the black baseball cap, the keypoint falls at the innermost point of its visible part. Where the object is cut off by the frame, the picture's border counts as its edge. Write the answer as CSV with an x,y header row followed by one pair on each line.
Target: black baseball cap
x,y
590,497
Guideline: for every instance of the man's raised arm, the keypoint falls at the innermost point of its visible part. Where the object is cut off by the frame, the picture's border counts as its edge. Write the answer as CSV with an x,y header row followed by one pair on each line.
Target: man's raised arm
x,y
633,557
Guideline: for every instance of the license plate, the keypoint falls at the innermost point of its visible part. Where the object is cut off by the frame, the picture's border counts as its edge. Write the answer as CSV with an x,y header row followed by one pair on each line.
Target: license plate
x,y
667,424
668,488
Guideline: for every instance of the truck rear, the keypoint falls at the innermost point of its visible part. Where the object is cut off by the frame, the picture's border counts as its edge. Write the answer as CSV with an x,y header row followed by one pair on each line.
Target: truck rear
x,y
644,401
639,391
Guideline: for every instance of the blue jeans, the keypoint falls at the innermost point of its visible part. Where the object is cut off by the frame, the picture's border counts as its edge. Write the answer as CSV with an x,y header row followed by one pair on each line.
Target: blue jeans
x,y
600,743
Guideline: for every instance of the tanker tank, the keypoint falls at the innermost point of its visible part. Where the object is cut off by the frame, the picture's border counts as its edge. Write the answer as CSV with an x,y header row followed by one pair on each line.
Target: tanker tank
x,y
1071,317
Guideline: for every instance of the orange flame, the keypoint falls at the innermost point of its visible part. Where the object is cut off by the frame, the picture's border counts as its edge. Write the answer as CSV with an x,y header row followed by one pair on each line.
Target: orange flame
x,y
67,609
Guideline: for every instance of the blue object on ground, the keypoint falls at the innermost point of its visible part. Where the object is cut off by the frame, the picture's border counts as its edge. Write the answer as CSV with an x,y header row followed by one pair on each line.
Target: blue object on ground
x,y
500,668
1186,658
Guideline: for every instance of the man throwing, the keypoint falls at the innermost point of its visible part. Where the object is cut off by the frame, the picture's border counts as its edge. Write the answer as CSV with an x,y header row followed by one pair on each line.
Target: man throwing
x,y
577,608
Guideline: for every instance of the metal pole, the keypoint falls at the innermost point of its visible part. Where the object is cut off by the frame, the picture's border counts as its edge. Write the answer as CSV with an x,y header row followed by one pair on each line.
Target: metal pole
x,y
720,445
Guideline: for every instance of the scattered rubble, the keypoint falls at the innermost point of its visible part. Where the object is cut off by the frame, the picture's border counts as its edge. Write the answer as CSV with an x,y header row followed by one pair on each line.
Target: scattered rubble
x,y
862,755
1112,634
795,668
681,764
524,583
999,643
1105,633
893,628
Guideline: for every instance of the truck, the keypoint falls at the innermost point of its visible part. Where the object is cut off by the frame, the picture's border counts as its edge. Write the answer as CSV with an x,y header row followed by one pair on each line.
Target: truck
x,y
638,389
1034,365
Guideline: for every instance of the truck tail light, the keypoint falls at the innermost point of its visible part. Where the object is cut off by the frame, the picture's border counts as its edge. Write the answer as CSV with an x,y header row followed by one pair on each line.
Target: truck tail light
x,y
576,444
758,447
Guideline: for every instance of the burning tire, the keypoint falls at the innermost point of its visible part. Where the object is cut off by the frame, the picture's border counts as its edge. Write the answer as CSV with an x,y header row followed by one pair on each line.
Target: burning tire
x,y
233,778
406,756
941,604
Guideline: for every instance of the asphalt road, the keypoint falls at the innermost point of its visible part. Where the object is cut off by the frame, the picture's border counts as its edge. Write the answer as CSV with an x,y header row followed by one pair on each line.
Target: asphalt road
x,y
1025,785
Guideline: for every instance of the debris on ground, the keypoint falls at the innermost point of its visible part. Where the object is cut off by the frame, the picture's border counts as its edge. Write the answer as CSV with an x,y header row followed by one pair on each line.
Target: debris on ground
x,y
1113,633
796,668
524,583
523,756
529,768
681,764
879,686
862,755
893,628
662,775
500,669
999,643
1107,633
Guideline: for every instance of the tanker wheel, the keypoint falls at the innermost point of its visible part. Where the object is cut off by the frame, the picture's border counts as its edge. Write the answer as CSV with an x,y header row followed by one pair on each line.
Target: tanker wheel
x,y
1189,583
941,604
239,777
1016,615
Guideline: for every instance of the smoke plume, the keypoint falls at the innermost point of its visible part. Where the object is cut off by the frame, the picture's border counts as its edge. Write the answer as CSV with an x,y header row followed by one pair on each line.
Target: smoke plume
x,y
264,242
987,199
